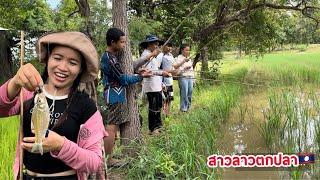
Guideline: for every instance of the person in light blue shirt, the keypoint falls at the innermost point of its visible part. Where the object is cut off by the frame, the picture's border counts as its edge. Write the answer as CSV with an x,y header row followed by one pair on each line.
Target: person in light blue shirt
x,y
167,61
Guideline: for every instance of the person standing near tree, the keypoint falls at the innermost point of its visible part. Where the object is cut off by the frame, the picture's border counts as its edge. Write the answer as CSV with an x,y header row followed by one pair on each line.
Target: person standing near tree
x,y
186,78
115,81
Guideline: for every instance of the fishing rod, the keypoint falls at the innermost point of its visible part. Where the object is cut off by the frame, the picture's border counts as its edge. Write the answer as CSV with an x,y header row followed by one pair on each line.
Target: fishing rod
x,y
243,83
243,77
21,110
177,28
157,73
234,76
219,80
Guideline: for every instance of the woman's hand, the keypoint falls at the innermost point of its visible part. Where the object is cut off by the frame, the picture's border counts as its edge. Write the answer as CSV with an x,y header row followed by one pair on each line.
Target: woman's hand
x,y
166,74
27,77
154,53
146,73
53,142
187,67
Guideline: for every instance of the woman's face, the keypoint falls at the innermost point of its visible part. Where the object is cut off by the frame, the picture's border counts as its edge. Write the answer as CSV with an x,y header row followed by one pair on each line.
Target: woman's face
x,y
186,51
64,65
153,46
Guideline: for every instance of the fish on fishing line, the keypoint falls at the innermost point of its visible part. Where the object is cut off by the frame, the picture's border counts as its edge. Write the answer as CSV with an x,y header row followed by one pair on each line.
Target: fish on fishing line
x,y
40,120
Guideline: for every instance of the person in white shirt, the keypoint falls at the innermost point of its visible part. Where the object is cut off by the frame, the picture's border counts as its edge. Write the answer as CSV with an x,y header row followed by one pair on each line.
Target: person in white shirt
x,y
167,65
153,86
186,77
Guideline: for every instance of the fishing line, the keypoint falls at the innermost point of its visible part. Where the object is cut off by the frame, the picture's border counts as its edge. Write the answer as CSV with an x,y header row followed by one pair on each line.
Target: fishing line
x,y
177,28
238,82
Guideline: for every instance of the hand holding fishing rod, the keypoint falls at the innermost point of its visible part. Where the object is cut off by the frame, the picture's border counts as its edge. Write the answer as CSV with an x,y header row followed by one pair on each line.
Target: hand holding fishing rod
x,y
154,54
161,73
146,73
179,64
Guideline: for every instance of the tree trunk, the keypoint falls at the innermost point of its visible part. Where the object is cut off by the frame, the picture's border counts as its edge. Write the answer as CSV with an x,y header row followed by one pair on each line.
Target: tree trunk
x,y
130,132
6,71
84,10
204,62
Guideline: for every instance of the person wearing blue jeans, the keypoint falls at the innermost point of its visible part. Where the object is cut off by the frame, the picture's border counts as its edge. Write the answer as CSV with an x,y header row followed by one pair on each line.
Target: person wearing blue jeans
x,y
186,77
185,85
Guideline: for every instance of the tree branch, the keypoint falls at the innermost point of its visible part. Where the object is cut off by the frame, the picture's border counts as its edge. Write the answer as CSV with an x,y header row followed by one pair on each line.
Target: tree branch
x,y
221,23
308,15
74,12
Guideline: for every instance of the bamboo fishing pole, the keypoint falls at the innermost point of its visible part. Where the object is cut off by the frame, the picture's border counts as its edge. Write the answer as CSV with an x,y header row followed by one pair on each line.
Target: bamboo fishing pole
x,y
21,111
177,28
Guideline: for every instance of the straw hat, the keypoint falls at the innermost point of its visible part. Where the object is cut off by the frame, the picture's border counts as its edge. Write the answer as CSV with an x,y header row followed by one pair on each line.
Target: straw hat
x,y
74,40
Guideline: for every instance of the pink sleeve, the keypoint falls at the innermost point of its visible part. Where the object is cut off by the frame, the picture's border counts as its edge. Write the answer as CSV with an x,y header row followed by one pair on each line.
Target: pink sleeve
x,y
83,160
86,156
7,107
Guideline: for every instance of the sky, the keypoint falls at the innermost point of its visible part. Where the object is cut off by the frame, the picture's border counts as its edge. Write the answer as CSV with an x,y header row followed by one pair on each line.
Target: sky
x,y
53,3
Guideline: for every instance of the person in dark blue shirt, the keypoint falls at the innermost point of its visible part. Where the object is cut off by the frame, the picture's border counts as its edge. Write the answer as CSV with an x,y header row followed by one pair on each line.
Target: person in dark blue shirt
x,y
115,81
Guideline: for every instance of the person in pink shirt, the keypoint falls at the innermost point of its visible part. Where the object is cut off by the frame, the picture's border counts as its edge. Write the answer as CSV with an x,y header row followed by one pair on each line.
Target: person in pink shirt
x,y
72,147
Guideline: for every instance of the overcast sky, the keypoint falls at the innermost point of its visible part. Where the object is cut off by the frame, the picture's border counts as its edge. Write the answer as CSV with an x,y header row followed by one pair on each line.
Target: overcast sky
x,y
54,3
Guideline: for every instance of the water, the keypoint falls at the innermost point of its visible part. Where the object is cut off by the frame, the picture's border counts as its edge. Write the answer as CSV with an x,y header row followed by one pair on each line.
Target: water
x,y
243,137
303,135
238,143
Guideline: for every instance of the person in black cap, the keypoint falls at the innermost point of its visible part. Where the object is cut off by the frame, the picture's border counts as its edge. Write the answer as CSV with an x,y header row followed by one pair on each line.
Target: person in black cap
x,y
152,86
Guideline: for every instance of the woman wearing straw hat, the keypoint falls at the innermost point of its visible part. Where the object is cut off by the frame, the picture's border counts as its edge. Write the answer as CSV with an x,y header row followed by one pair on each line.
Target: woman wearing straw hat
x,y
72,148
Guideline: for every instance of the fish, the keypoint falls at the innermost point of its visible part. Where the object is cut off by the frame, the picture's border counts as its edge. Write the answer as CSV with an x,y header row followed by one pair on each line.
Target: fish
x,y
40,120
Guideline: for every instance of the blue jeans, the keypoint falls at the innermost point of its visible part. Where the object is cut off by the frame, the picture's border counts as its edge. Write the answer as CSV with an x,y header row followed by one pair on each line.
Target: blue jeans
x,y
185,85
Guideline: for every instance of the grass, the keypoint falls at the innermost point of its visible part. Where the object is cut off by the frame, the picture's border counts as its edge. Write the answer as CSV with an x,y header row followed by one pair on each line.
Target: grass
x,y
291,126
9,129
280,68
176,154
